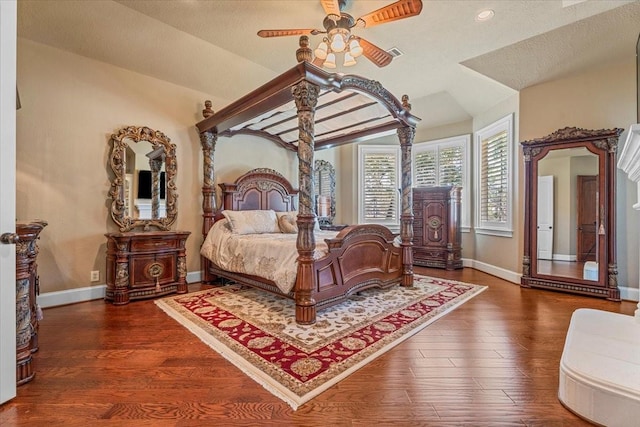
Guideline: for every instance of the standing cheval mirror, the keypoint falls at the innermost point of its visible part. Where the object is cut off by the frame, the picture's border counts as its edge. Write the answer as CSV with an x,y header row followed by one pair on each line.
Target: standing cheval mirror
x,y
570,224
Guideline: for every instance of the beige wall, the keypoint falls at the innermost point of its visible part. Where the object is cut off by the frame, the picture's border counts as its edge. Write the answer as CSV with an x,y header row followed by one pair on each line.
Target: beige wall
x,y
503,252
70,107
602,97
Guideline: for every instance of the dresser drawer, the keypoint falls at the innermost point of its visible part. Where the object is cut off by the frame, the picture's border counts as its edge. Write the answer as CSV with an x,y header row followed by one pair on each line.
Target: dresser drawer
x,y
153,245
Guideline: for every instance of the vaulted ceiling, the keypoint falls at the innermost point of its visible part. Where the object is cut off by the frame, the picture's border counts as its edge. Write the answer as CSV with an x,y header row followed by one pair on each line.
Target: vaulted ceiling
x,y
452,66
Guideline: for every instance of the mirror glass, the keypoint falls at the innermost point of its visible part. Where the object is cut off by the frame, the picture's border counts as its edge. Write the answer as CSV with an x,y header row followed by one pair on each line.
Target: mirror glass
x,y
325,184
567,214
142,188
145,181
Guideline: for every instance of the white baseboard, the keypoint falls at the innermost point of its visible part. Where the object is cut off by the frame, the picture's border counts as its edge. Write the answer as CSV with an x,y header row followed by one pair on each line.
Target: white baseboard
x,y
71,296
629,294
510,276
564,257
88,293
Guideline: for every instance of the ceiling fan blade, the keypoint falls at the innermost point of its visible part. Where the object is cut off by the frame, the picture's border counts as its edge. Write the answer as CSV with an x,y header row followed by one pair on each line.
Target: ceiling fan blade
x,y
398,10
331,7
283,33
375,54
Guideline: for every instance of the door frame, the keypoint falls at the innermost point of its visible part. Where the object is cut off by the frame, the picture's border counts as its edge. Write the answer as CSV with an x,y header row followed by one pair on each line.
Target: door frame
x,y
8,53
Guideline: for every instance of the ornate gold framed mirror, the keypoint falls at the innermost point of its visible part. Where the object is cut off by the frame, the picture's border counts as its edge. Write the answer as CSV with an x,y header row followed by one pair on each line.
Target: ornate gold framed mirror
x,y
325,183
143,189
570,221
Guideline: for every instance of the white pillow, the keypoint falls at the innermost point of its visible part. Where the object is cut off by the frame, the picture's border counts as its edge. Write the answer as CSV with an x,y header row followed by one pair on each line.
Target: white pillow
x,y
252,222
316,226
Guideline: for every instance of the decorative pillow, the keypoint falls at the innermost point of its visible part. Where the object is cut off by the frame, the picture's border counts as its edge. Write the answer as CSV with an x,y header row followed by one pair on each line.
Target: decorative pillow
x,y
294,214
287,224
252,222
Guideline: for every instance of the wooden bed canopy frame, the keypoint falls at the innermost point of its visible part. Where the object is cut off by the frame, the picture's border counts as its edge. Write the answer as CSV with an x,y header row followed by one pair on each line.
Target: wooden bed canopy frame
x,y
307,109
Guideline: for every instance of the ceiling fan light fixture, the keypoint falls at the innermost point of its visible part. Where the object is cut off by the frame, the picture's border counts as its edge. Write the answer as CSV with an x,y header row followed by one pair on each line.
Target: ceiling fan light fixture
x,y
349,60
337,33
330,62
338,44
354,48
322,50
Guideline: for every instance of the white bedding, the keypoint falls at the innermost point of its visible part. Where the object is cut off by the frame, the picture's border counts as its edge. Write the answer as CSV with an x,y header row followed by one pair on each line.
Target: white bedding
x,y
272,256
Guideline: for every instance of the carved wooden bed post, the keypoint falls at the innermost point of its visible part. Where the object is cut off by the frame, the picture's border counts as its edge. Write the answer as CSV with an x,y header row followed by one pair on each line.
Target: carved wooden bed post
x,y
305,95
406,135
208,140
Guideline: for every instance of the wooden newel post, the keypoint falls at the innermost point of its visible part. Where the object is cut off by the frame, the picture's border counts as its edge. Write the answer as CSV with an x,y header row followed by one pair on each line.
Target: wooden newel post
x,y
306,98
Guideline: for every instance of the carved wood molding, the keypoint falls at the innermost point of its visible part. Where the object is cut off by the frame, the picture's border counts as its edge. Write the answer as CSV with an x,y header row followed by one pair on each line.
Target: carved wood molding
x,y
603,138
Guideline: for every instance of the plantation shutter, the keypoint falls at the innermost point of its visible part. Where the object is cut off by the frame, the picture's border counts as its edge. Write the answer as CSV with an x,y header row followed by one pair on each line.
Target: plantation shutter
x,y
494,171
380,186
451,166
424,168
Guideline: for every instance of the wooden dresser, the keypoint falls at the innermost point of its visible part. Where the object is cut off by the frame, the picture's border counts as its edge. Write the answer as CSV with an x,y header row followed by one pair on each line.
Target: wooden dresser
x,y
27,310
436,227
145,265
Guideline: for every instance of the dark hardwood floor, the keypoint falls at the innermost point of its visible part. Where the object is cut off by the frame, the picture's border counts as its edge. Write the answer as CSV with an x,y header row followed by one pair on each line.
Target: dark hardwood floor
x,y
491,362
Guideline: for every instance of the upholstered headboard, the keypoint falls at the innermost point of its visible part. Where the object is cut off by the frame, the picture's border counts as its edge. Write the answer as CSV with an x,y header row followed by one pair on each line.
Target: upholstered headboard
x,y
259,189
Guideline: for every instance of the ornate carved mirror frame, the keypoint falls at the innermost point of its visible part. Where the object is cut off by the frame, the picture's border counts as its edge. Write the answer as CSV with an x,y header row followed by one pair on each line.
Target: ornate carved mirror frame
x,y
325,184
603,281
162,152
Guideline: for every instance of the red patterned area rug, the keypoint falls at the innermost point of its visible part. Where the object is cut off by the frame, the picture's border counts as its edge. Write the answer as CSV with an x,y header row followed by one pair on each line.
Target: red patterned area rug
x,y
256,330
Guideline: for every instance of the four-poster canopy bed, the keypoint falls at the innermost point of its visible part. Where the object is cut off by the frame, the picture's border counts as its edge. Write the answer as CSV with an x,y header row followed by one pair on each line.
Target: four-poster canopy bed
x,y
303,110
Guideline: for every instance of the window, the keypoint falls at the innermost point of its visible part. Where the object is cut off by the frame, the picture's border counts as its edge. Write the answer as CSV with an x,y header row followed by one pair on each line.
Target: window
x,y
445,162
379,183
494,174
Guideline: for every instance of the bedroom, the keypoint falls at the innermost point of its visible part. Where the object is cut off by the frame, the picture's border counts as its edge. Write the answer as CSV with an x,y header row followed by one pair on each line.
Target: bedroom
x,y
78,102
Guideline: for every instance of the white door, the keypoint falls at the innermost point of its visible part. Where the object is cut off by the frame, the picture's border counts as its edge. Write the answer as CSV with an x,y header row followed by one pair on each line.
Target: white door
x,y
8,20
545,217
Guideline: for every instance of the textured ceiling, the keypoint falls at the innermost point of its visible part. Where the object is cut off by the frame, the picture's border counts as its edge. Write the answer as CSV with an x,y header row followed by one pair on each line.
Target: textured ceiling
x,y
453,67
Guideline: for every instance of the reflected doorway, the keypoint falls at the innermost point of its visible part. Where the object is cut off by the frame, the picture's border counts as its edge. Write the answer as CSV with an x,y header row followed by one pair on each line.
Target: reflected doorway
x,y
587,217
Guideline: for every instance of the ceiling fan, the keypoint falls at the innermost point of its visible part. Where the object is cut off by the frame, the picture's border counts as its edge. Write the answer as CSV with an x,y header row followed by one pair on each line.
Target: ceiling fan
x,y
337,29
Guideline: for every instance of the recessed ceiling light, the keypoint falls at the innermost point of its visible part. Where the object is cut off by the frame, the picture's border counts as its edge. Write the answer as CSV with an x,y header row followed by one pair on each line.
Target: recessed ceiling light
x,y
484,15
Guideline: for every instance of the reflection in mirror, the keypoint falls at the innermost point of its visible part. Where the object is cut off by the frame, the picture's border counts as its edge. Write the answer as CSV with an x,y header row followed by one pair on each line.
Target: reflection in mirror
x,y
146,180
143,188
325,183
567,214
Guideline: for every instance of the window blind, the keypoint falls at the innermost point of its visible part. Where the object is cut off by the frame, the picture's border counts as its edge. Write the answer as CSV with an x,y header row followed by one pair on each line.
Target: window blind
x,y
494,174
380,192
451,162
439,166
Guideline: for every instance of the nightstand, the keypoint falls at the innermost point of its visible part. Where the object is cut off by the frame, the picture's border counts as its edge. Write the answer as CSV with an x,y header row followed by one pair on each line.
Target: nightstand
x,y
145,265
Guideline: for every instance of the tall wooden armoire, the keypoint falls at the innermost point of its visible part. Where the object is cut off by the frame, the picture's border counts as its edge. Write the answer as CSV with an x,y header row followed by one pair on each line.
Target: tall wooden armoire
x,y
436,227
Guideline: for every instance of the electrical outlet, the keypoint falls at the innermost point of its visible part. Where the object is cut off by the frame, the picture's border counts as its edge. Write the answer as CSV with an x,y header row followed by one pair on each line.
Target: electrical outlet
x,y
95,276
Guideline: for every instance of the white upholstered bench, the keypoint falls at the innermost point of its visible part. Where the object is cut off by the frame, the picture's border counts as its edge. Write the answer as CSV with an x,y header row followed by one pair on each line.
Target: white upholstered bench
x,y
600,368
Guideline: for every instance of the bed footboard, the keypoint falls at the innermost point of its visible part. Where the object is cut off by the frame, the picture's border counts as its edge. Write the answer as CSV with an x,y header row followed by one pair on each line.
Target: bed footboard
x,y
359,257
